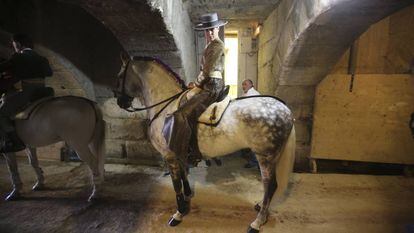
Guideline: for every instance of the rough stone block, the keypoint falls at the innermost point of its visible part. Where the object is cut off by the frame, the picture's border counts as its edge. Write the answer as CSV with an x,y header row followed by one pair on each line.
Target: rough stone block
x,y
302,158
301,111
111,109
115,148
64,79
301,75
245,44
141,150
287,39
266,81
302,132
126,129
65,92
296,94
301,19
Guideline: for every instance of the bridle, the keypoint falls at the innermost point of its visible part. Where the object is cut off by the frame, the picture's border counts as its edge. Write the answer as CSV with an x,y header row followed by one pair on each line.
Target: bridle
x,y
123,97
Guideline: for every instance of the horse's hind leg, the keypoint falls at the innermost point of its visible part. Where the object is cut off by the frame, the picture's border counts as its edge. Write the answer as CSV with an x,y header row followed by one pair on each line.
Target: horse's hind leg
x,y
188,193
86,155
32,155
267,168
14,175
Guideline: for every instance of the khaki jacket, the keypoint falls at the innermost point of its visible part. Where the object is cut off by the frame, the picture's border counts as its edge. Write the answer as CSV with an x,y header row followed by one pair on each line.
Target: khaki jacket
x,y
212,62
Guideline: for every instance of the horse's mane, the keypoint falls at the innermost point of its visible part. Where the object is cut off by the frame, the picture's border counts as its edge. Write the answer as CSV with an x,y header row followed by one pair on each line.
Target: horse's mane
x,y
173,75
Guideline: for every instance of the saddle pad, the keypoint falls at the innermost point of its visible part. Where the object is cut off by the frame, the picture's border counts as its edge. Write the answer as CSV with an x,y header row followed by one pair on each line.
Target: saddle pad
x,y
26,113
213,113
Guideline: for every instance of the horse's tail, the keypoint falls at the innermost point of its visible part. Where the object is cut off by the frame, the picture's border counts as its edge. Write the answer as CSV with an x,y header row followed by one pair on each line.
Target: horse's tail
x,y
97,144
284,165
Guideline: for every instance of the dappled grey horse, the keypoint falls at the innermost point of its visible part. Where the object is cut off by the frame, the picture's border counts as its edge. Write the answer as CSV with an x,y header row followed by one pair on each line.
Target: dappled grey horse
x,y
75,120
263,124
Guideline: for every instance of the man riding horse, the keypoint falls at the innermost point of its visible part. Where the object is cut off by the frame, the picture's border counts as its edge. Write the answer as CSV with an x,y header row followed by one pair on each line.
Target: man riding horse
x,y
28,71
211,85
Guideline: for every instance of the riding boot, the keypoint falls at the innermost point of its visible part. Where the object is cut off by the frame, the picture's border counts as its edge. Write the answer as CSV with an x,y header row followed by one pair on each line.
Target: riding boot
x,y
6,124
12,143
180,135
4,128
194,155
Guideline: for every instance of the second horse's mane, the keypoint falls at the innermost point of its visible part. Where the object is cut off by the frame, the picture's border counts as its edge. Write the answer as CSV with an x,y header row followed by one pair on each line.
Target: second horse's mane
x,y
173,75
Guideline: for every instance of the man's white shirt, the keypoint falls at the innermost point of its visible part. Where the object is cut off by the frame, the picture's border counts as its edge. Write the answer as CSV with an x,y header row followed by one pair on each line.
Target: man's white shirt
x,y
251,92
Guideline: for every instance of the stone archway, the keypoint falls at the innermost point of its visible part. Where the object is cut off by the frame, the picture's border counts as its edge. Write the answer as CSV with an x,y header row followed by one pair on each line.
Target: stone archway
x,y
301,41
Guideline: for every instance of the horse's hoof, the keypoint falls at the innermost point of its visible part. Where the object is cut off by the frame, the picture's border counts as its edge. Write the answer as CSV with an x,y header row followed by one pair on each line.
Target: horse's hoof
x,y
93,199
257,207
252,230
173,222
13,195
38,186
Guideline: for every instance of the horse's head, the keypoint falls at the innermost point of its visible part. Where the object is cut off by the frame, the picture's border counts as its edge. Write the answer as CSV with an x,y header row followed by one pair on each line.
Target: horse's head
x,y
125,89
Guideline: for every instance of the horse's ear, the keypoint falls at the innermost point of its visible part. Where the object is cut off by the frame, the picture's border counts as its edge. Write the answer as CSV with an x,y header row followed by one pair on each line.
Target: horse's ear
x,y
124,57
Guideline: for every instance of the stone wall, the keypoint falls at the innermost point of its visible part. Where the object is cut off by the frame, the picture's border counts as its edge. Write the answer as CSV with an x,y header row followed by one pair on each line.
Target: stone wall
x,y
178,23
279,32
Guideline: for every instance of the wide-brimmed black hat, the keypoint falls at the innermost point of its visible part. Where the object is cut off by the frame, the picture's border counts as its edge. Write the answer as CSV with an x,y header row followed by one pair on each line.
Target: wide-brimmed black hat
x,y
208,21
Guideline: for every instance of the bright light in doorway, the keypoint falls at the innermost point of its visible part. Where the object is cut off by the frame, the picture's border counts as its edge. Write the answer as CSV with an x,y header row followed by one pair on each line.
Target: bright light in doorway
x,y
231,63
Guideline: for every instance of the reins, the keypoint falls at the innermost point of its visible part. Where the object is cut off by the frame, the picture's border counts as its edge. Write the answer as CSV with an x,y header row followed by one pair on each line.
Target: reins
x,y
133,109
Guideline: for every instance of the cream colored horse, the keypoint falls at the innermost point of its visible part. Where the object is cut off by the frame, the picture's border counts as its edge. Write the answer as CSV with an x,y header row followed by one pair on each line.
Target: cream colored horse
x,y
75,120
263,124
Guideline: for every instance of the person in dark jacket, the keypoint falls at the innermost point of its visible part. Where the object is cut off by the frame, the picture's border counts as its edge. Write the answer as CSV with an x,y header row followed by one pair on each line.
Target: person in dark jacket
x,y
28,70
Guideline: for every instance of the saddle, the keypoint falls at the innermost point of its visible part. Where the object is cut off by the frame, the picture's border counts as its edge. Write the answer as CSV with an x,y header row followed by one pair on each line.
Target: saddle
x,y
213,114
25,114
11,142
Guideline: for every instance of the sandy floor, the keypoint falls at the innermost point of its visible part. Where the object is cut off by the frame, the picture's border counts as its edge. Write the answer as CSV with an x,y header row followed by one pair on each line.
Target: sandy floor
x,y
139,199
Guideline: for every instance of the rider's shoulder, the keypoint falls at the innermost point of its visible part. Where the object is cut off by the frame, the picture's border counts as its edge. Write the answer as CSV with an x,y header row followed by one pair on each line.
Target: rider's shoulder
x,y
216,44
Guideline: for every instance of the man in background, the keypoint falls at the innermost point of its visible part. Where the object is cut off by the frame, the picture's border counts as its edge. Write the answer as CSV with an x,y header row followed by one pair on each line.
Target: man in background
x,y
248,88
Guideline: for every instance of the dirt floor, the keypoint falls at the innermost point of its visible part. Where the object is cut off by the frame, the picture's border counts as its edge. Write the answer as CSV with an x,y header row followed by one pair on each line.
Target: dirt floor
x,y
140,199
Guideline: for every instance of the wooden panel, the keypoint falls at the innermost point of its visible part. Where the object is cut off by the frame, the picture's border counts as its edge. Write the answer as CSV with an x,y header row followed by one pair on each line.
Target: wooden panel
x,y
368,124
372,49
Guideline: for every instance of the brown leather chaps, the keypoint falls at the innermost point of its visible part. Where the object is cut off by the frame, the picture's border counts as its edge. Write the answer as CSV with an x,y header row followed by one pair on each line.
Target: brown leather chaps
x,y
184,125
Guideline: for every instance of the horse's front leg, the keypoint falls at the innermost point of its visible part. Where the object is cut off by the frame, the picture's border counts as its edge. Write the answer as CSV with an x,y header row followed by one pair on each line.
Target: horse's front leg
x,y
32,155
188,193
178,177
14,175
